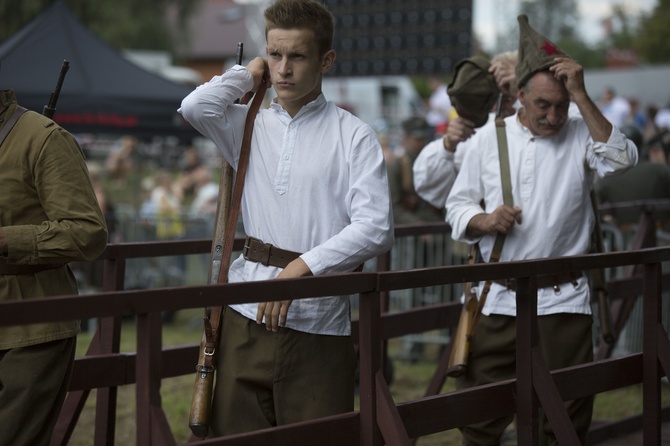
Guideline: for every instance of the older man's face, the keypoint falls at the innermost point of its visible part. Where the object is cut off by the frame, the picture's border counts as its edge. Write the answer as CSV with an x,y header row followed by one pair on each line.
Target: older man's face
x,y
546,101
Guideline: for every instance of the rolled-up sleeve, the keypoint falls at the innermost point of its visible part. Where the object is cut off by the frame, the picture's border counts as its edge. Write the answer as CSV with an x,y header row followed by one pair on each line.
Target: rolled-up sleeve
x,y
616,155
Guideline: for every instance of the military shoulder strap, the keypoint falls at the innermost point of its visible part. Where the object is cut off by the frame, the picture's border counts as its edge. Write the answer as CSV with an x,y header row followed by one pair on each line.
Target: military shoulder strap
x,y
10,123
506,179
406,173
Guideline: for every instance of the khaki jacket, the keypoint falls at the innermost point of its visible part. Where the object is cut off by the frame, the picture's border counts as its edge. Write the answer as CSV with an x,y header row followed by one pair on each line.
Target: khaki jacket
x,y
50,215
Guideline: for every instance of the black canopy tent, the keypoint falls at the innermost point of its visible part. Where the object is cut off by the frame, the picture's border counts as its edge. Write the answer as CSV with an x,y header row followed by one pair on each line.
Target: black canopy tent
x,y
102,93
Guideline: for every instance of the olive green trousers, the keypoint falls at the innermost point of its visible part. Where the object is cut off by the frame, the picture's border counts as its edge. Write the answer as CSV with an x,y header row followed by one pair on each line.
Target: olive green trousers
x,y
564,339
266,379
33,385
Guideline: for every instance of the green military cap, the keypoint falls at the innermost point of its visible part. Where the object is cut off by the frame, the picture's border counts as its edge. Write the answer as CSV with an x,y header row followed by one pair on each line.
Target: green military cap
x,y
536,52
417,127
473,90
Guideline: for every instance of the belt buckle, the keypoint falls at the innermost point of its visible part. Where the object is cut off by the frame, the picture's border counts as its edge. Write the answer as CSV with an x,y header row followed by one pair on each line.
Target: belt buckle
x,y
247,246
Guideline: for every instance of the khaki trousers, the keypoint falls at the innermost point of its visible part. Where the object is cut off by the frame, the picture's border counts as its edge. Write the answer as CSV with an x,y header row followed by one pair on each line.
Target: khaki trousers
x,y
266,378
33,385
565,340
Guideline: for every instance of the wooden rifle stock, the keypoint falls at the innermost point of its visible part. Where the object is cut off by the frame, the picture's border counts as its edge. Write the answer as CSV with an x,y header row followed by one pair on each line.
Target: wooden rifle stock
x,y
460,349
201,403
460,346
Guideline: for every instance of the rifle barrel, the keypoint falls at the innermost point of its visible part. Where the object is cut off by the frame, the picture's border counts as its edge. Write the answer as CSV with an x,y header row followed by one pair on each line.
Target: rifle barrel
x,y
50,109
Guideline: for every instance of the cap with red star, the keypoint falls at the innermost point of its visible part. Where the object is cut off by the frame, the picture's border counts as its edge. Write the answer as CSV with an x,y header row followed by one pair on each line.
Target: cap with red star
x,y
536,52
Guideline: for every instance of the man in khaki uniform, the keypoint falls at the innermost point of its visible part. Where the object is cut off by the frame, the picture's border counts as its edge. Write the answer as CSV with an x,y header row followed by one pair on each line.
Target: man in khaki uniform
x,y
49,216
408,207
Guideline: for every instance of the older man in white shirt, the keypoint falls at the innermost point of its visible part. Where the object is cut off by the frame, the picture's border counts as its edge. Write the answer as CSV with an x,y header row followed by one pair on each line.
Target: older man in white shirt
x,y
552,157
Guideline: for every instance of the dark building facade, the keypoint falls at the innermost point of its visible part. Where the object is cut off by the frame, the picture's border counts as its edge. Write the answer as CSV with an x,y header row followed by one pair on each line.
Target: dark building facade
x,y
400,37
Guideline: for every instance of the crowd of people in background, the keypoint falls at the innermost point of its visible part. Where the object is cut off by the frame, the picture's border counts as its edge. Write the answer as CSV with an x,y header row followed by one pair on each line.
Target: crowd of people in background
x,y
647,125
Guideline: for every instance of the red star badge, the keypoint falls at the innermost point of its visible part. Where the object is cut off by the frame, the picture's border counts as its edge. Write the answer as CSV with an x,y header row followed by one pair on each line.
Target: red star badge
x,y
549,49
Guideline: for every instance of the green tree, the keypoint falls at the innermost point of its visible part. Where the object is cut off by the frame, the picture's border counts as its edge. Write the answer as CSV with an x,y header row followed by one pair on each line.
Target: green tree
x,y
653,39
623,37
130,24
556,18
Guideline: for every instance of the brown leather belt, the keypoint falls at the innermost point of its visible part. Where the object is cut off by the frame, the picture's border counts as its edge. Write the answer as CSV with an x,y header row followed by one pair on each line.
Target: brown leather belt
x,y
256,251
554,281
7,269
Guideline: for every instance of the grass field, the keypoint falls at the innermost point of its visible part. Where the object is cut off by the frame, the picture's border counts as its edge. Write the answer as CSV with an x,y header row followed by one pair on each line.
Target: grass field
x,y
410,381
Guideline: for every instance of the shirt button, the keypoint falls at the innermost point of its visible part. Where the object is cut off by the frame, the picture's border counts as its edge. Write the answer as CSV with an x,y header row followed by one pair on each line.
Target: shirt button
x,y
286,157
291,125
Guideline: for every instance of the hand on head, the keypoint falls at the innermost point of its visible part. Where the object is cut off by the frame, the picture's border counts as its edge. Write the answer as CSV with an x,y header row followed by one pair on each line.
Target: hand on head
x,y
570,73
505,76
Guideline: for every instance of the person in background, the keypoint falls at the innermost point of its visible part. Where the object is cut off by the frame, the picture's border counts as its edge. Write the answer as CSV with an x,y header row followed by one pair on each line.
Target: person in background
x,y
166,203
122,160
105,201
316,190
206,195
636,116
204,204
615,108
646,181
49,216
439,106
191,168
552,156
408,207
662,119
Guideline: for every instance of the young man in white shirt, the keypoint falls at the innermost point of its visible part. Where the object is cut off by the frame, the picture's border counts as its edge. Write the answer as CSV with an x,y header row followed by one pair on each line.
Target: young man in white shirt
x,y
316,184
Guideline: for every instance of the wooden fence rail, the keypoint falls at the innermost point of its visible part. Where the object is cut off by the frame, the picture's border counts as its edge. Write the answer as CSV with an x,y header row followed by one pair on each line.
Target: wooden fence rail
x,y
379,419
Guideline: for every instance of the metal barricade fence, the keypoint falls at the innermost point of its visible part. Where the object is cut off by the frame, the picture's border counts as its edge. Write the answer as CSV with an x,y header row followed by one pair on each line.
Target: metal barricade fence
x,y
146,273
412,252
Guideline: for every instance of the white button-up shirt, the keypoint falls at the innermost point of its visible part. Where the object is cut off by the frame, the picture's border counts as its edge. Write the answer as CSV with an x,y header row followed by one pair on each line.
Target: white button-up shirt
x,y
316,184
551,181
435,170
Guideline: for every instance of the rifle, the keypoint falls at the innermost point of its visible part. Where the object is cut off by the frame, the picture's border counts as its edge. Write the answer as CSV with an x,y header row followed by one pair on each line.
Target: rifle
x,y
226,221
201,402
598,282
472,307
50,109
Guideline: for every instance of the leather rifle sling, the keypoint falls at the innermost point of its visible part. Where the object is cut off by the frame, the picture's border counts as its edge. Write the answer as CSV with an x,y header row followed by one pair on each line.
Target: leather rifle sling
x,y
505,177
213,323
10,123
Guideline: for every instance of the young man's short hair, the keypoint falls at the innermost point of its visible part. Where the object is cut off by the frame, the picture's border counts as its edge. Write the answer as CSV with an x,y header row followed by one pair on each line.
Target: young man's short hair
x,y
302,14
